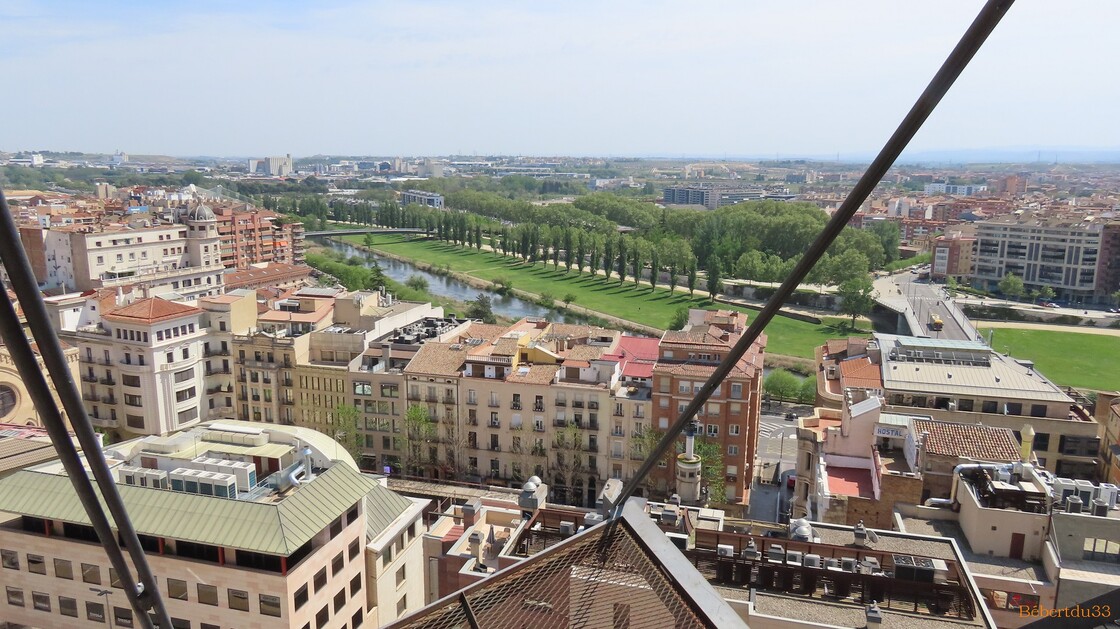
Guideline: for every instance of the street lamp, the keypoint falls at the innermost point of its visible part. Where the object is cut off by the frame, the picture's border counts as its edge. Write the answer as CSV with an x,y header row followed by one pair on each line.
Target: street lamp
x,y
105,594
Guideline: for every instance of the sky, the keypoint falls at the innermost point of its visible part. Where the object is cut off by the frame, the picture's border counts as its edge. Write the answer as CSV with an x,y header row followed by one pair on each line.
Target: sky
x,y
644,78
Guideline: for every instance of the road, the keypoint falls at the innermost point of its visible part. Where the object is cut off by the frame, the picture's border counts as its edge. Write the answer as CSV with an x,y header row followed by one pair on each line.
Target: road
x,y
925,299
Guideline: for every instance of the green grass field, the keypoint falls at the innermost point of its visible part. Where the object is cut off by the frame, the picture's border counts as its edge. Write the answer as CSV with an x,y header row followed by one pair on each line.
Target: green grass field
x,y
1068,358
638,304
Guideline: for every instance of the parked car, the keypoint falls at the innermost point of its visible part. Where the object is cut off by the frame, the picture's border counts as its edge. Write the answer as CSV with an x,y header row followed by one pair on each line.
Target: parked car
x,y
791,416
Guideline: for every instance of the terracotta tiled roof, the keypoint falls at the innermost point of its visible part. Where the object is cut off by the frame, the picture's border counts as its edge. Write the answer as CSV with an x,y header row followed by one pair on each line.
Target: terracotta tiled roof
x,y
860,373
971,441
437,359
151,310
534,374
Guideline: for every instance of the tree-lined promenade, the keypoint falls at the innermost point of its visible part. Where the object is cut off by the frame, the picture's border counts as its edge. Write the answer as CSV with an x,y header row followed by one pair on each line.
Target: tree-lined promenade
x,y
655,306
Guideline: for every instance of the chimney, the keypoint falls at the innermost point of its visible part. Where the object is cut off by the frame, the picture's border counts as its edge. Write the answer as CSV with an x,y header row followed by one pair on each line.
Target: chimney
x,y
387,354
470,512
120,296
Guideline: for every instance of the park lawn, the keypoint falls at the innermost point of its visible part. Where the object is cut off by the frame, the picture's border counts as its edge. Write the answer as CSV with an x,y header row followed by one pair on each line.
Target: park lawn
x,y
639,304
1068,358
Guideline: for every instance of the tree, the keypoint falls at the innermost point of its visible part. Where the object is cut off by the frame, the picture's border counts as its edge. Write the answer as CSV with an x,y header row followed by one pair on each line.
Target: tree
x,y
368,241
680,318
951,286
849,265
568,299
608,255
636,262
782,385
654,267
692,276
481,308
715,271
419,429
711,468
642,445
856,296
346,431
673,276
1046,293
568,250
1116,296
581,252
621,260
1011,286
417,283
890,237
808,393
568,462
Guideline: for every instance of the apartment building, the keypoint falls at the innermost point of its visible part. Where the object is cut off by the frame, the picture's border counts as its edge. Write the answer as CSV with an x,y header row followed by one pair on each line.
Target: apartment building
x,y
968,382
271,166
271,528
686,359
420,197
252,235
1062,252
174,259
953,257
16,406
224,316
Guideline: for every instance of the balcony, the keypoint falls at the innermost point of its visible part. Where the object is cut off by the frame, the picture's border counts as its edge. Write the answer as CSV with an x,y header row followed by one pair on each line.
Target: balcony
x,y
261,364
218,389
413,397
537,451
618,413
129,363
449,399
593,405
288,402
538,427
214,371
108,380
591,447
515,406
593,425
560,423
561,402
109,399
617,431
616,455
472,421
495,448
472,445
215,352
102,422
538,408
472,401
495,423
494,404
90,397
577,403
89,378
431,398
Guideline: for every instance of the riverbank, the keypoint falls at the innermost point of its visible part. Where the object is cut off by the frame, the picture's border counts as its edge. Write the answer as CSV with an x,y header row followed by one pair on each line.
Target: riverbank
x,y
472,267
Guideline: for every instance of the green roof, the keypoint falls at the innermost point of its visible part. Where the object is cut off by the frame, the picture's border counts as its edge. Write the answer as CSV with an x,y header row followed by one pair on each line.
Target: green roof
x,y
383,505
275,528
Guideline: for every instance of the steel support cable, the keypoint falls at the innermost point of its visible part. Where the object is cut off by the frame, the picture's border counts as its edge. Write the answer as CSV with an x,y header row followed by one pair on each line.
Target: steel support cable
x,y
985,22
142,596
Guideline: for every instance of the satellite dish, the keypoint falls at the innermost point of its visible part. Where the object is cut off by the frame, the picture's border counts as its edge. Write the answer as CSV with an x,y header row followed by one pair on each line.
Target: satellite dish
x,y
872,536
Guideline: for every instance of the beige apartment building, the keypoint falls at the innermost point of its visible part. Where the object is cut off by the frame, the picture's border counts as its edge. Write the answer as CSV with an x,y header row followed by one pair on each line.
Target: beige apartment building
x,y
271,528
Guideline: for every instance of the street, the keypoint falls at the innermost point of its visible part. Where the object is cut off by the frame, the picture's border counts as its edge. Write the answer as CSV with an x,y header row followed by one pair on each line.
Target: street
x,y
777,441
927,299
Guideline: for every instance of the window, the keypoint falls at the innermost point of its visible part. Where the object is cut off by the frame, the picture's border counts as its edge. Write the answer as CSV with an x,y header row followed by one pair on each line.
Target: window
x,y
36,564
713,430
15,596
320,579
122,617
733,430
41,601
355,585
130,380
95,612
91,574
133,400
352,514
732,450
989,406
177,589
363,388
184,375
238,599
301,597
354,549
63,569
114,580
10,559
270,605
186,353
1041,441
68,606
207,594
400,576
1038,410
322,617
965,405
356,620
402,605
337,564
185,394
340,600
336,528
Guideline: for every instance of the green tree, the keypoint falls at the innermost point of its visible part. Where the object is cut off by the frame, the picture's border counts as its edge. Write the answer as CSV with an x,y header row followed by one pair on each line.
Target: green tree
x,y
890,236
848,265
782,384
951,286
808,394
1116,296
417,283
1011,286
715,272
654,267
1046,293
856,296
680,318
481,308
419,430
692,276
568,299
368,241
346,431
642,445
711,468
622,260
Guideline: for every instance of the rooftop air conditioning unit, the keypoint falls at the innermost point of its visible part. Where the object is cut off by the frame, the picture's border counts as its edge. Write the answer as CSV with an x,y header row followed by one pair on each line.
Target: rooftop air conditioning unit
x,y
776,553
680,540
832,564
812,561
848,564
793,557
1063,488
725,550
1085,490
567,529
751,552
1108,493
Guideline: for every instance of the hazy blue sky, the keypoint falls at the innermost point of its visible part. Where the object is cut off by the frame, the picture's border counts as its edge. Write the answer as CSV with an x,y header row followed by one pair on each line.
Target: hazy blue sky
x,y
558,78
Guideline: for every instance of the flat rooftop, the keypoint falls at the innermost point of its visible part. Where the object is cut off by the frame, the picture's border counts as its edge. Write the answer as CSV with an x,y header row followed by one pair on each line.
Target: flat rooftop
x,y
979,564
850,481
824,613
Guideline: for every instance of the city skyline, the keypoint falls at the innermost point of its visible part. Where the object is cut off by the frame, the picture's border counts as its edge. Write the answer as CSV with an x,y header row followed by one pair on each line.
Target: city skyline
x,y
625,79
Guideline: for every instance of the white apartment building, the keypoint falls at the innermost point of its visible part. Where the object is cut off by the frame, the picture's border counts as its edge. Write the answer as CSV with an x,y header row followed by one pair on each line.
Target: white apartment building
x,y
269,527
178,258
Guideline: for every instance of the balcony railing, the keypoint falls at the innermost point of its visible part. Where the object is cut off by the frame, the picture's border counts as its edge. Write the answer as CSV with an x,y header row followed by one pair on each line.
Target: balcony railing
x,y
215,352
472,401
618,432
449,399
472,421
577,403
515,406
109,399
561,402
214,371
538,408
90,397
593,405
495,423
413,397
560,423
592,447
538,427
108,380
89,378
431,397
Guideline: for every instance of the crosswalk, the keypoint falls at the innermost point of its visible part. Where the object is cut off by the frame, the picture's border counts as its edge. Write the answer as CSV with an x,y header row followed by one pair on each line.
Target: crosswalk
x,y
766,427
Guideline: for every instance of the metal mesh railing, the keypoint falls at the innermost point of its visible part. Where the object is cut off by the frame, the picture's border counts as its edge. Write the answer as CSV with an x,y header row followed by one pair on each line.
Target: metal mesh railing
x,y
604,578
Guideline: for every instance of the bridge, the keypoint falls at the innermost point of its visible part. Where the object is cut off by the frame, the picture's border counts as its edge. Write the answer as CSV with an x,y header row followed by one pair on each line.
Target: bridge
x,y
367,230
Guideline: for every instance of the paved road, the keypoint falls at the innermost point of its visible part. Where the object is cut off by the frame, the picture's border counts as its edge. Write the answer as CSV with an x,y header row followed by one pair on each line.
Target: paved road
x,y
926,299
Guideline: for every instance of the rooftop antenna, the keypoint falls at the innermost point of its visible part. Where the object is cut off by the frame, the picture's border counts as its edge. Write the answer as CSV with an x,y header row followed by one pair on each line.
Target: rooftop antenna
x,y
985,22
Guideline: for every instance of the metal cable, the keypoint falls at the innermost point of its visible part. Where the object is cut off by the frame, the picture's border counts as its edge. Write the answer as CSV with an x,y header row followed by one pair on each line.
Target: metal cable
x,y
986,21
145,594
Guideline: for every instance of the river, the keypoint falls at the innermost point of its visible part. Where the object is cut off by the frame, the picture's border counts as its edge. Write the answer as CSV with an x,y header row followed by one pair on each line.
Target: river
x,y
451,288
